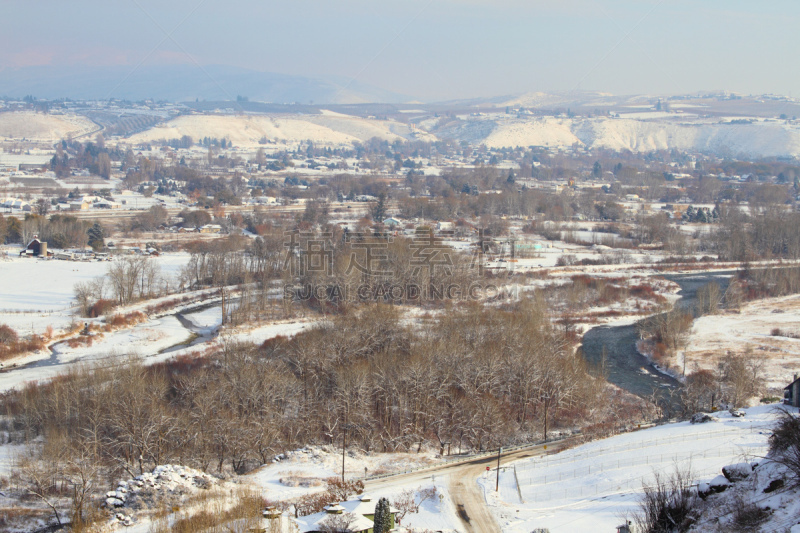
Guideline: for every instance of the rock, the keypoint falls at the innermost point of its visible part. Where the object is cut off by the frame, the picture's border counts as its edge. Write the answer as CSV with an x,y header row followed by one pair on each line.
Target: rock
x,y
700,418
719,484
774,485
737,472
114,502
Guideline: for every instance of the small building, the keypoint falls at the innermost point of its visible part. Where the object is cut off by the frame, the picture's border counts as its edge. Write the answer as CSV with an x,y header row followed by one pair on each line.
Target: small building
x,y
391,222
106,204
791,393
35,248
16,203
627,527
211,228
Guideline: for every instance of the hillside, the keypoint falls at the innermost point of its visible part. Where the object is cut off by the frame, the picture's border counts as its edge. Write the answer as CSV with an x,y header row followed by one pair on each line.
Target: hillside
x,y
42,126
327,128
594,487
636,132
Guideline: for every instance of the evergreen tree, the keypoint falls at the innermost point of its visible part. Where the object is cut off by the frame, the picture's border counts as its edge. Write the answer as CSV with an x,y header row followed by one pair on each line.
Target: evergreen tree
x,y
383,518
96,237
597,169
379,211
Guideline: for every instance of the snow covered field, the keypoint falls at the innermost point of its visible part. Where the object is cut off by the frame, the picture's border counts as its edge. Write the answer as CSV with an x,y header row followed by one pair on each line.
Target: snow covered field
x,y
35,293
591,487
38,285
712,336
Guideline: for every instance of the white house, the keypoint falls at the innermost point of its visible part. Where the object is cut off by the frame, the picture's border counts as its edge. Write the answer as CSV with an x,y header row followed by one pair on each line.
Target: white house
x,y
357,514
391,222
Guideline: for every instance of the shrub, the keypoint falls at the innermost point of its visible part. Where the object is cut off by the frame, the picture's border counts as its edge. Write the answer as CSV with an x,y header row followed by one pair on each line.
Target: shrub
x,y
100,308
342,490
667,503
784,444
748,516
11,344
7,335
128,319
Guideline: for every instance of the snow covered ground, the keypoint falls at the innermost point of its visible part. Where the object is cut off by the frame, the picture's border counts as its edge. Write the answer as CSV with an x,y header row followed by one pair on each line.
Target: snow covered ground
x,y
713,336
38,285
36,293
206,320
593,486
259,334
304,471
146,340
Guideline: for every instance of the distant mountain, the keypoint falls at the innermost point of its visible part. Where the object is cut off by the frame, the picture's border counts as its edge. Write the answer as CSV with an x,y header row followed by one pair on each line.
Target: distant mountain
x,y
186,82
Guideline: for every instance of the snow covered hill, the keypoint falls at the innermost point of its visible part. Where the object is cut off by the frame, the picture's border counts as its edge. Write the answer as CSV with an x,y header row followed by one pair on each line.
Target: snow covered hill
x,y
327,128
594,486
638,132
43,126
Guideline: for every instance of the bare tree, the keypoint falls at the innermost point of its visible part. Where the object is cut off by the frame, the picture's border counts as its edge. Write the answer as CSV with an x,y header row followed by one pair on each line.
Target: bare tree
x,y
338,523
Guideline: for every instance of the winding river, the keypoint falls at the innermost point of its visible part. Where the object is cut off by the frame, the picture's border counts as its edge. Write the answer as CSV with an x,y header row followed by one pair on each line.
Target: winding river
x,y
627,368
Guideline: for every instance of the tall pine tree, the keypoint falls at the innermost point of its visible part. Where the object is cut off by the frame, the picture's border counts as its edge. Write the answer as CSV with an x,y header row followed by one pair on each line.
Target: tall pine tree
x,y
383,518
96,237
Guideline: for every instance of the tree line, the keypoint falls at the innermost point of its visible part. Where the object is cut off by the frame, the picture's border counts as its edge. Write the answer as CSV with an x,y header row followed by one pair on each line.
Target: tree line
x,y
471,379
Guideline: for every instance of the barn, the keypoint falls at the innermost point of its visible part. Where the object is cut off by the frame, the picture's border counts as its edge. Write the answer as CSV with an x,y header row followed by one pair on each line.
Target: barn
x,y
791,393
35,248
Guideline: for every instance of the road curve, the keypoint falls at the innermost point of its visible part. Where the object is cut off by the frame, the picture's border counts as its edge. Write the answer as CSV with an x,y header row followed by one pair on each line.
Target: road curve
x,y
465,493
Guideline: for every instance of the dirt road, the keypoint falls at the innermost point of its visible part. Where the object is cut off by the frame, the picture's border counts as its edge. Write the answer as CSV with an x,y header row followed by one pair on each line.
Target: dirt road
x,y
466,495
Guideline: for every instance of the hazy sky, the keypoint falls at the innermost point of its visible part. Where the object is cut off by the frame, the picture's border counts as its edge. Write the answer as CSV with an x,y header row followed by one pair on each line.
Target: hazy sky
x,y
431,49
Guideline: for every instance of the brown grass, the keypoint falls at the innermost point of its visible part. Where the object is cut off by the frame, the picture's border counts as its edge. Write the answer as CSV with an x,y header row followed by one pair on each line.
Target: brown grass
x,y
210,513
15,346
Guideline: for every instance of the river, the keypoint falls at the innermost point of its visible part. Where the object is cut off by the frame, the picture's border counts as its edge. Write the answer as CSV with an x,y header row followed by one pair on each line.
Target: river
x,y
626,367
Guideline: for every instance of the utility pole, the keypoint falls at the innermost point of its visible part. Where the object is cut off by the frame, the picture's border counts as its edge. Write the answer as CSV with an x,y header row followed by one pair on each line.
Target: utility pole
x,y
344,445
223,305
344,442
546,398
497,482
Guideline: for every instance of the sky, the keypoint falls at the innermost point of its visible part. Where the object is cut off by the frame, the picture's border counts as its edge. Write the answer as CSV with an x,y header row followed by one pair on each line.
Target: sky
x,y
431,50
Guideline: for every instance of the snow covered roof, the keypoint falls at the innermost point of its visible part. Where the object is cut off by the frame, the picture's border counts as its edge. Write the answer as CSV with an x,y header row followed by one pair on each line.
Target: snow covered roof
x,y
317,522
363,506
